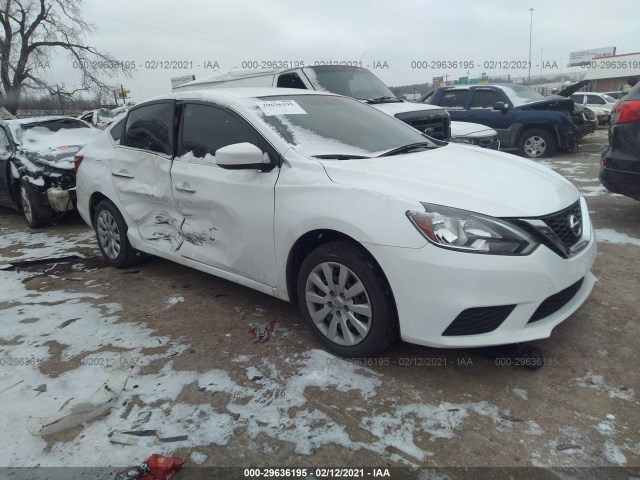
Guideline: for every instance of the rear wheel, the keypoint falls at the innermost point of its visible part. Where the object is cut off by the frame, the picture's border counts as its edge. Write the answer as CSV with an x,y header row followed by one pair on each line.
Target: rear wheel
x,y
537,143
36,212
346,301
111,232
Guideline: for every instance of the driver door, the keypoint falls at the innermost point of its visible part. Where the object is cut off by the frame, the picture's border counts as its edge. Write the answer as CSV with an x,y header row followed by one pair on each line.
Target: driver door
x,y
228,214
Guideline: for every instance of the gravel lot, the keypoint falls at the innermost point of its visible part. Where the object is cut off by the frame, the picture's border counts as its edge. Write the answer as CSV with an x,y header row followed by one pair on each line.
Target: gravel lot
x,y
198,371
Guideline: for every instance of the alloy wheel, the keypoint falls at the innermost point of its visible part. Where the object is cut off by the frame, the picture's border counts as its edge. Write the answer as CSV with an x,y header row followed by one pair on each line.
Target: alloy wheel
x,y
109,235
338,303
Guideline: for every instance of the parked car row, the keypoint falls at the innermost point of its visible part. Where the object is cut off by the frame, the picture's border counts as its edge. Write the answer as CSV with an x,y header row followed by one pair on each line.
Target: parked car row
x,y
376,230
361,84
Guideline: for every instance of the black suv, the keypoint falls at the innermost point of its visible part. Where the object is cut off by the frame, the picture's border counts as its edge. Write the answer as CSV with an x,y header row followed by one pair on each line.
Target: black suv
x,y
620,166
534,124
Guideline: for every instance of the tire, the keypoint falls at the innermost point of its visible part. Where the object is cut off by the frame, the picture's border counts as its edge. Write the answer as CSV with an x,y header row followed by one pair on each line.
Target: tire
x,y
537,143
111,233
331,314
36,212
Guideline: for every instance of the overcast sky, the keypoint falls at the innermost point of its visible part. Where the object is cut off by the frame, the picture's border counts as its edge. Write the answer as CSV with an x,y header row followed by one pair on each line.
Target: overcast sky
x,y
235,31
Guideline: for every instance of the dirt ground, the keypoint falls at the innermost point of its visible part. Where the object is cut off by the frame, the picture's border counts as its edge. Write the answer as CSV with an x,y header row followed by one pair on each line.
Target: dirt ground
x,y
286,402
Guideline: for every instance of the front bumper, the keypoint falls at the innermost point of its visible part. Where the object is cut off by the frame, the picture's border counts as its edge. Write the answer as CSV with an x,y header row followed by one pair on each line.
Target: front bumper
x,y
433,287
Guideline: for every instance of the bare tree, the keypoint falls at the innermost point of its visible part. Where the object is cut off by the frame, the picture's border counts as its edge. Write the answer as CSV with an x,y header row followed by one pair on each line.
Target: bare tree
x,y
30,30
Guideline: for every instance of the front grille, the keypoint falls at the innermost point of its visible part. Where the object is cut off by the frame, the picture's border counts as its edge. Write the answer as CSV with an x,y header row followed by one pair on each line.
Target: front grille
x,y
437,124
560,223
475,321
555,302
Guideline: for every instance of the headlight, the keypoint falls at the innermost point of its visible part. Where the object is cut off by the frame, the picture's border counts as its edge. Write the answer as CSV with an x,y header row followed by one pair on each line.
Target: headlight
x,y
469,141
471,232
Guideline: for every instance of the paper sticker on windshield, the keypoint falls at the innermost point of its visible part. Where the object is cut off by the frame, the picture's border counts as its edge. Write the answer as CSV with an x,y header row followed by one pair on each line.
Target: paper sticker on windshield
x,y
281,107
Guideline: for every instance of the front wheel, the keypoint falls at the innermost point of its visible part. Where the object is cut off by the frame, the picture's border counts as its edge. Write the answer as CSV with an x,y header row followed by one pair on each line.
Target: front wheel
x,y
536,143
111,232
36,212
346,301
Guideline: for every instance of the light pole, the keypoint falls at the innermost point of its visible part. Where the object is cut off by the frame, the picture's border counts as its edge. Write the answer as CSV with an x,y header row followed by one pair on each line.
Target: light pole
x,y
530,30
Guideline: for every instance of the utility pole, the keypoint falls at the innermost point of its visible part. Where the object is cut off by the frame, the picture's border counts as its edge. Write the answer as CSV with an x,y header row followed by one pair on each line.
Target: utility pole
x,y
530,31
124,95
115,96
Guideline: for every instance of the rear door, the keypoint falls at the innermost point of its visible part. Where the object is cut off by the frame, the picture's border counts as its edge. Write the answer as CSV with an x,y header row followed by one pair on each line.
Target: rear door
x,y
455,101
228,214
140,174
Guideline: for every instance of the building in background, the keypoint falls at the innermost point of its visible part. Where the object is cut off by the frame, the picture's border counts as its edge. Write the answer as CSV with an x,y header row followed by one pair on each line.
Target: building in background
x,y
608,74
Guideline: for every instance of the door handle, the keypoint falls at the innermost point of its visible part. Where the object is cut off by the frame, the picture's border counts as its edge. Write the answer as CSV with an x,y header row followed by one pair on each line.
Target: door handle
x,y
185,188
122,174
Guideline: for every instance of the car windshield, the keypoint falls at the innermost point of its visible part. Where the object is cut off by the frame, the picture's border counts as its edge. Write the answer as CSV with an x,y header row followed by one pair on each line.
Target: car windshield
x,y
106,113
520,95
608,98
353,82
333,126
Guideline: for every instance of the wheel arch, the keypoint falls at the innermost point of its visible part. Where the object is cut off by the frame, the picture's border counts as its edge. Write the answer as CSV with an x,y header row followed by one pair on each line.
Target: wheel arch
x,y
311,240
94,200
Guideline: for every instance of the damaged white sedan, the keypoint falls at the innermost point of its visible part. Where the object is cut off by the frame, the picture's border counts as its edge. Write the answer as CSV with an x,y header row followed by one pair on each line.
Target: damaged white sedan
x,y
377,231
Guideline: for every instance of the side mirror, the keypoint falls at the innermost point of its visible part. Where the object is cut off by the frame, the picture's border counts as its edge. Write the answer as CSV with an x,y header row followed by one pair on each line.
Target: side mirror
x,y
243,156
503,107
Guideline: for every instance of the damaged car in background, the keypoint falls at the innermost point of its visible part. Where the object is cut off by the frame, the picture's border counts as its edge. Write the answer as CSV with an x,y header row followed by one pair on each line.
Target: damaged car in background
x,y
375,230
37,173
534,124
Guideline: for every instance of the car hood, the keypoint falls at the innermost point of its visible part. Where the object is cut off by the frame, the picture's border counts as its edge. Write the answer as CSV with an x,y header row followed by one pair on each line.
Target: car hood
x,y
552,102
42,139
474,130
403,107
571,89
469,178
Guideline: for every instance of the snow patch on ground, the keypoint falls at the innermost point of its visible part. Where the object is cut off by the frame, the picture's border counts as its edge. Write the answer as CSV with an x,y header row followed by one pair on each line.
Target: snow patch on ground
x,y
37,245
596,382
609,235
520,392
174,300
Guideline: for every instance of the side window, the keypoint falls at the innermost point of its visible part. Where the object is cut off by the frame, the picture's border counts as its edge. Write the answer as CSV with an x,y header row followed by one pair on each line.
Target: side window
x,y
151,128
595,100
577,98
88,117
291,80
117,130
485,99
205,129
454,98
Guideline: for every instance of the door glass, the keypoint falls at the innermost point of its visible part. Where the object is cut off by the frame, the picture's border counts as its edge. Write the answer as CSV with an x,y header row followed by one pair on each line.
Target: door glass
x,y
454,98
485,99
205,129
4,145
595,100
150,128
291,80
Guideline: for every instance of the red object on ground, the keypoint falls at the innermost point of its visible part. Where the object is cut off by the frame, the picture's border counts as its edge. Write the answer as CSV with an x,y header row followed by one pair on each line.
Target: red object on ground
x,y
162,468
267,332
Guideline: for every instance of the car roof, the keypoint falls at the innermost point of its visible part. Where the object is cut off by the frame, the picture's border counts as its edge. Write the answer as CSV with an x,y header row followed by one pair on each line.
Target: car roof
x,y
226,96
588,93
466,87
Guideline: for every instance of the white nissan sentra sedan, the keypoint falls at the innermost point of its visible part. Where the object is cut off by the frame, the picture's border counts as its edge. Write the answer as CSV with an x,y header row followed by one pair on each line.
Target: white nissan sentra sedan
x,y
377,231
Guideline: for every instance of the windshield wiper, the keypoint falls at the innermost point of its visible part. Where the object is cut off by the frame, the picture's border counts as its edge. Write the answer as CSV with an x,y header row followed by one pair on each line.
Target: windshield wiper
x,y
407,148
383,100
340,156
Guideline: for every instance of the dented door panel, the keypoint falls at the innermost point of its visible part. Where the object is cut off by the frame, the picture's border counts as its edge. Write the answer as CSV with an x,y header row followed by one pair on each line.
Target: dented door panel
x,y
142,183
227,218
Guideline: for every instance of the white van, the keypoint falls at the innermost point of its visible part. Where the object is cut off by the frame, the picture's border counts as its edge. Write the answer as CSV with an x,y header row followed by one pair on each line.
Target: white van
x,y
361,84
